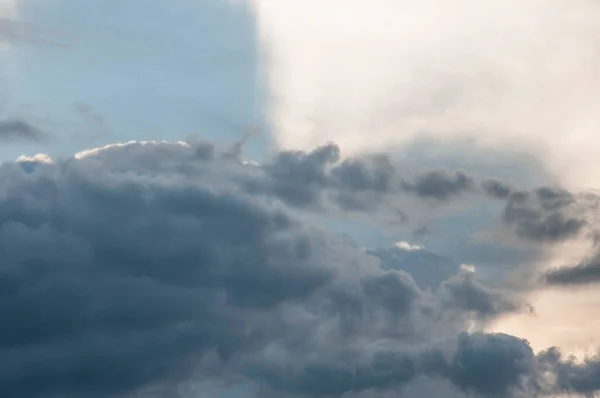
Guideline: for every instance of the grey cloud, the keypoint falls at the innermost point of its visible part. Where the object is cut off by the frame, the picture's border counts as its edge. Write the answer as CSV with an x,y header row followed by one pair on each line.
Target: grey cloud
x,y
428,269
440,185
572,377
19,130
467,293
149,265
318,180
125,270
552,198
482,365
505,370
586,272
111,281
497,189
307,179
296,177
546,215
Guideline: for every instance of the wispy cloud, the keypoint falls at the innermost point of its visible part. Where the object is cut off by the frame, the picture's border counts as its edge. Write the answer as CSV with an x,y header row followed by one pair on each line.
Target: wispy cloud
x,y
16,130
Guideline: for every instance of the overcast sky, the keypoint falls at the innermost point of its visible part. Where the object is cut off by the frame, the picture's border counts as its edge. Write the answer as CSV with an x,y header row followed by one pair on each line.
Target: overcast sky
x,y
277,198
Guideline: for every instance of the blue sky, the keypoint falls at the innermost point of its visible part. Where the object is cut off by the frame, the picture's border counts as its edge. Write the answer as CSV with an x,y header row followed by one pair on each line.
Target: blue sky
x,y
127,70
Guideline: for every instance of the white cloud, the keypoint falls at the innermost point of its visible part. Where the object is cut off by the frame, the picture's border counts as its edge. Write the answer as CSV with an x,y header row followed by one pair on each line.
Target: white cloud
x,y
37,158
96,151
468,268
373,75
408,247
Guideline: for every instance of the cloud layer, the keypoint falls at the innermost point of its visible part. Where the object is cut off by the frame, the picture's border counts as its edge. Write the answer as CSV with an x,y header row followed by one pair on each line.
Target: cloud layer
x,y
147,265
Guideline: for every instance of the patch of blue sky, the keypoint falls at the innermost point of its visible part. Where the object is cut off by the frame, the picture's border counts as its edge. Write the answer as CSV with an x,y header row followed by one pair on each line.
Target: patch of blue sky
x,y
132,70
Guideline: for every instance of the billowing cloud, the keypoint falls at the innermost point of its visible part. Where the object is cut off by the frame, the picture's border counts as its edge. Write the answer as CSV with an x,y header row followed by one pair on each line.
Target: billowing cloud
x,y
306,178
135,266
147,265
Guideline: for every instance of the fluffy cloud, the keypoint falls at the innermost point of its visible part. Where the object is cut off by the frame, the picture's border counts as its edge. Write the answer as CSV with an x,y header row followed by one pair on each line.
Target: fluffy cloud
x,y
148,265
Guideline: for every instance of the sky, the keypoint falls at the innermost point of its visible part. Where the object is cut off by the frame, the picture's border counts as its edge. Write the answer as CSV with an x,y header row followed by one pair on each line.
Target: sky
x,y
273,198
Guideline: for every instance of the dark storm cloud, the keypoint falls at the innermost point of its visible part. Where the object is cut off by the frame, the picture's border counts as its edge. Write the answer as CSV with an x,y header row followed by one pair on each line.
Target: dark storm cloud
x,y
19,130
482,365
586,272
149,265
112,285
494,365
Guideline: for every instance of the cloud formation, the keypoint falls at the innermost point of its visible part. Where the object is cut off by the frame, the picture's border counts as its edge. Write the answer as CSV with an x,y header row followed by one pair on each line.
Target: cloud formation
x,y
146,265
545,214
440,185
586,272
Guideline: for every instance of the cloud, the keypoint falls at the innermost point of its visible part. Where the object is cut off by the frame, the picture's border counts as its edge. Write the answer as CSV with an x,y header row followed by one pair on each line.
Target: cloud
x,y
19,130
313,178
318,179
504,370
497,189
144,266
586,272
441,74
466,292
408,247
545,215
440,185
428,269
579,377
149,265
